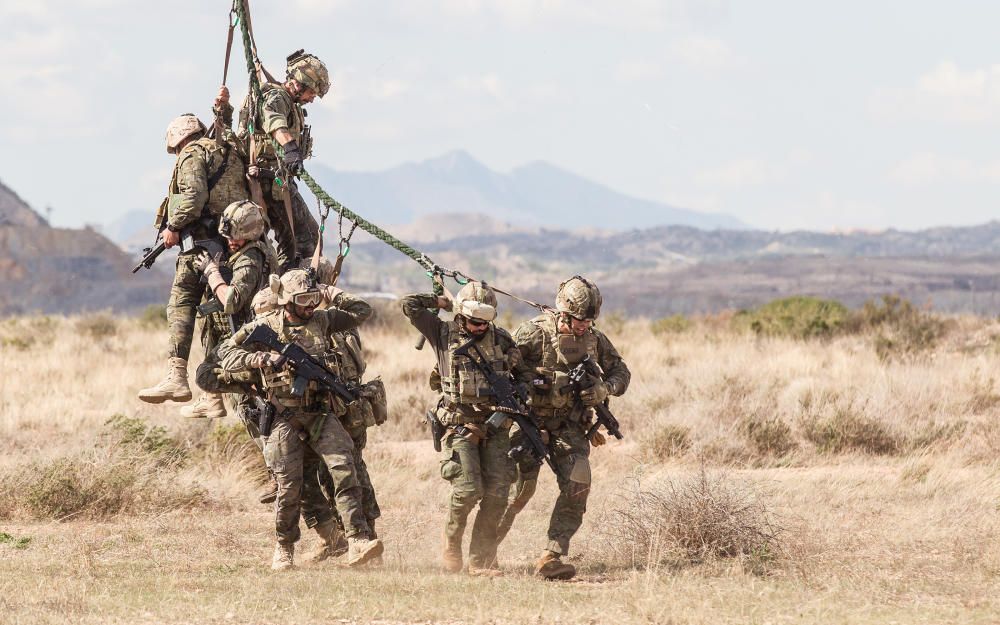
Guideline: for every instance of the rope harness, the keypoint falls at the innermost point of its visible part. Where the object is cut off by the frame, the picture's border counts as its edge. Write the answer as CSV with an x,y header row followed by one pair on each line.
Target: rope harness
x,y
325,202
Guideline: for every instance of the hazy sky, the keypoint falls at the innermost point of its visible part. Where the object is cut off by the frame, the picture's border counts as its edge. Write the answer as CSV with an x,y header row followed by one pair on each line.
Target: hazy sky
x,y
786,114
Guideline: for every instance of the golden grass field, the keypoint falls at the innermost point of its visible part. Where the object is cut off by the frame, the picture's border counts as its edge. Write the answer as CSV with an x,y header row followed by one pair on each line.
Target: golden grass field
x,y
880,475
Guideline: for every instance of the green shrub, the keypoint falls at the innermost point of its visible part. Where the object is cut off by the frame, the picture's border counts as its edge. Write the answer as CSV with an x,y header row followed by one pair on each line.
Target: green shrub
x,y
674,324
795,317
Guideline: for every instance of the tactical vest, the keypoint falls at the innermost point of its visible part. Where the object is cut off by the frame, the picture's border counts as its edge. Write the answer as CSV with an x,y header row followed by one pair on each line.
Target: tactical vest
x,y
464,386
311,338
560,353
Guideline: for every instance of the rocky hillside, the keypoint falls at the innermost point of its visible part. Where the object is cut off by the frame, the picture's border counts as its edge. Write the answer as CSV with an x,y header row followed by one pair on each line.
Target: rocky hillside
x,y
53,270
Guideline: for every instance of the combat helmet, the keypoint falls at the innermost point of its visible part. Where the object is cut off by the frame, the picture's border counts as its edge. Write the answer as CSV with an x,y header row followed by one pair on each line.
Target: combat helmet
x,y
296,286
181,128
476,300
580,298
309,71
242,220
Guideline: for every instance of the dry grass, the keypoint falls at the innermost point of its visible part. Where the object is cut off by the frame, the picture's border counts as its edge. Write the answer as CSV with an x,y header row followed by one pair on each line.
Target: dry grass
x,y
884,474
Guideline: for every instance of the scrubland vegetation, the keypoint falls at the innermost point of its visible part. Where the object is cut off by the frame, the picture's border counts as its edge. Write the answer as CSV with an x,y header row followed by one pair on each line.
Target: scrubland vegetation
x,y
800,462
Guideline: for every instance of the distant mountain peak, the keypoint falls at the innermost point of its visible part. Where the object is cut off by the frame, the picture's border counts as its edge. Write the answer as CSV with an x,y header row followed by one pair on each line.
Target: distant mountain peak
x,y
456,161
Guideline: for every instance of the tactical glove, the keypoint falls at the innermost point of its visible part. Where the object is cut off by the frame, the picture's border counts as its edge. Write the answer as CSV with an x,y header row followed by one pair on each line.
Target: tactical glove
x,y
266,359
206,264
597,439
595,394
292,158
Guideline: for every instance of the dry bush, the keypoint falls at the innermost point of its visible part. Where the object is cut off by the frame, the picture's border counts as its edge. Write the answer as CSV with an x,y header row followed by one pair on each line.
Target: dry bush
x,y
691,521
153,317
100,325
900,329
847,429
666,441
133,470
768,435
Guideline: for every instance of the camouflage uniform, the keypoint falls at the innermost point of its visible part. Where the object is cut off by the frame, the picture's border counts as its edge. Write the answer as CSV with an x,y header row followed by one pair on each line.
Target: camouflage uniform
x,y
551,355
305,422
280,111
478,468
192,204
347,347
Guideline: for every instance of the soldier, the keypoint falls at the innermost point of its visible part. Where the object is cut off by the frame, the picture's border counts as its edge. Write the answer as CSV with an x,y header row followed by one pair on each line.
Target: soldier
x,y
249,264
283,120
305,421
317,482
474,460
551,345
208,176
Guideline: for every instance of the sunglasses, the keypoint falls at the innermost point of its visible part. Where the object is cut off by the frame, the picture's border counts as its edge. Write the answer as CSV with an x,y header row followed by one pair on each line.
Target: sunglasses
x,y
478,323
307,300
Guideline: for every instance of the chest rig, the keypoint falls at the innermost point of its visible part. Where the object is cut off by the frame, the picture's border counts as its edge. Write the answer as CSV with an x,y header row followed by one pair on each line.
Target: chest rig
x,y
467,394
311,337
560,352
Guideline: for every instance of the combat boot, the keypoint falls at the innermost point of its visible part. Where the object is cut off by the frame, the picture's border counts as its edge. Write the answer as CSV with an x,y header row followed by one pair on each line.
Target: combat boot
x,y
269,494
284,557
451,555
334,542
174,387
361,549
550,566
207,406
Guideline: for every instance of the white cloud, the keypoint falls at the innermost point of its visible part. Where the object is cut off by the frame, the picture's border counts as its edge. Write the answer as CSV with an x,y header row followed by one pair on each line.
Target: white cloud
x,y
705,53
637,70
945,93
930,168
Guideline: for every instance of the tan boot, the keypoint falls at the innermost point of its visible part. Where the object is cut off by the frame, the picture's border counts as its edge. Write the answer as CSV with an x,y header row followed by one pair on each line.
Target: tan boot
x,y
174,387
334,543
451,555
550,566
284,557
207,406
361,549
270,493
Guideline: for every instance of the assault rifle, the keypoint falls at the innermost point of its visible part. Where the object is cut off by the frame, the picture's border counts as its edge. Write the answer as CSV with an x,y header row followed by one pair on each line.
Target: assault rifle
x,y
306,368
581,378
513,403
188,243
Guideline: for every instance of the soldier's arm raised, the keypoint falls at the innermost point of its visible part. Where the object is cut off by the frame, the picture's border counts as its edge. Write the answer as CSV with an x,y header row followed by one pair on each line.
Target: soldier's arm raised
x,y
415,307
241,289
350,313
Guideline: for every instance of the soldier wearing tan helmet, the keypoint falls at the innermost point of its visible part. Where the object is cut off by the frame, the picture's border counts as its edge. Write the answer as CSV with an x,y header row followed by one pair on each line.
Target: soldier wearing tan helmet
x,y
283,120
232,282
551,345
312,420
208,176
474,459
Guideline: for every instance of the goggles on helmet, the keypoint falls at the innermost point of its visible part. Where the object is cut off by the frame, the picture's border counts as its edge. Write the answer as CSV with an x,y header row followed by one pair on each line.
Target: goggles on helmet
x,y
308,299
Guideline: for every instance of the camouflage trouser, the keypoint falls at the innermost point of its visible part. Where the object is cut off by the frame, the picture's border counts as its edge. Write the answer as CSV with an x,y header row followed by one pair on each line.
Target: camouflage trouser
x,y
479,474
185,295
306,229
571,453
285,453
318,485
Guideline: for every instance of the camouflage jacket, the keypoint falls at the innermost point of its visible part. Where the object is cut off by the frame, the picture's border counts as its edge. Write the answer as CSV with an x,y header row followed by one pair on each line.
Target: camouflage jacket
x,y
315,335
279,111
443,337
540,345
190,198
